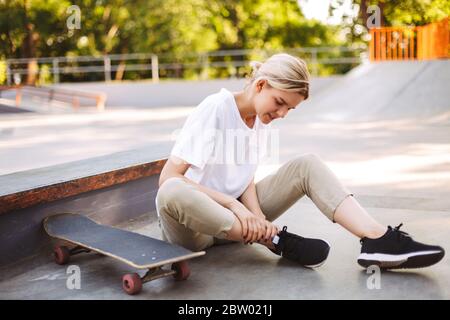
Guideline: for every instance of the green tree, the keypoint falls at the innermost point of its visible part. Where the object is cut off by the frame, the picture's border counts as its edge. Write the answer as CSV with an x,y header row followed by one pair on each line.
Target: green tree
x,y
27,29
174,29
407,12
393,13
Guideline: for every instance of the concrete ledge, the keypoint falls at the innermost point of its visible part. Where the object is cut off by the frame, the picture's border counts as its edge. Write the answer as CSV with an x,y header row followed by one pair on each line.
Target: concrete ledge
x,y
110,189
28,188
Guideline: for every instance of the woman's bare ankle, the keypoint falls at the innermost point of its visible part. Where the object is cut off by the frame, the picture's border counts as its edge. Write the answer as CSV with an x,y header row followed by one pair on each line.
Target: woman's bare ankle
x,y
375,233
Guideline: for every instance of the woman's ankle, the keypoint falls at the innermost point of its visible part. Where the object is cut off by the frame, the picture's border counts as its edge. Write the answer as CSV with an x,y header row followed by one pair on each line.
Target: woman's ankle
x,y
375,233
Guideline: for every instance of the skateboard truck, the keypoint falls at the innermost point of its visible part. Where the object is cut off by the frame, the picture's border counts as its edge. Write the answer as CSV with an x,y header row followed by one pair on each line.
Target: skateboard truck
x,y
132,282
62,253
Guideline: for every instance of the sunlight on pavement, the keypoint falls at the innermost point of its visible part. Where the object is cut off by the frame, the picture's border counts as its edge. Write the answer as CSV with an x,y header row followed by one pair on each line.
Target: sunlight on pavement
x,y
424,164
80,118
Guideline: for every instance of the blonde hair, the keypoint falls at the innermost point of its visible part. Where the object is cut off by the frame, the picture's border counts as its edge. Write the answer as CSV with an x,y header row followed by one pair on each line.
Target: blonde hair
x,y
282,71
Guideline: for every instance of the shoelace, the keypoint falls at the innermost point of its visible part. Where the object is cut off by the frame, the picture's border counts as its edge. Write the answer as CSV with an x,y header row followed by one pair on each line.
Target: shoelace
x,y
400,234
280,235
282,232
279,243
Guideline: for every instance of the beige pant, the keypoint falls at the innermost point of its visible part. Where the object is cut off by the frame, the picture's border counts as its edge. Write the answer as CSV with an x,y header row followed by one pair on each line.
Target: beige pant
x,y
190,218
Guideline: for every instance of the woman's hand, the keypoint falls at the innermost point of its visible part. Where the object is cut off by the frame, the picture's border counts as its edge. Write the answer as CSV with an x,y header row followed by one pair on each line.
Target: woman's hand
x,y
271,230
254,227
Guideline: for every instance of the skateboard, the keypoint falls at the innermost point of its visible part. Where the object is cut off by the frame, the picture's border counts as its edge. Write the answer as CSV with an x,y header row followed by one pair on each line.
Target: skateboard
x,y
136,250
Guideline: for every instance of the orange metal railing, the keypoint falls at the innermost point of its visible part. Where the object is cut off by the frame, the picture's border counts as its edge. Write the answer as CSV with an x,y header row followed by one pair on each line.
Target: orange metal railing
x,y
72,97
410,43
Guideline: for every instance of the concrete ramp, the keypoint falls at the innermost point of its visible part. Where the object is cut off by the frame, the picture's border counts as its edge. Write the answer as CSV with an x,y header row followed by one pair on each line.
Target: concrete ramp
x,y
385,90
170,93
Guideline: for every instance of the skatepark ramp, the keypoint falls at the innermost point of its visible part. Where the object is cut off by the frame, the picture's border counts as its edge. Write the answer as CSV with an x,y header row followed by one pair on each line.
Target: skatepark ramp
x,y
385,91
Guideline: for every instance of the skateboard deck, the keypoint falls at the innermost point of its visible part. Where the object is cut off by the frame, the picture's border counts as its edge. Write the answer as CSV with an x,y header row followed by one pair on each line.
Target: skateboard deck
x,y
136,250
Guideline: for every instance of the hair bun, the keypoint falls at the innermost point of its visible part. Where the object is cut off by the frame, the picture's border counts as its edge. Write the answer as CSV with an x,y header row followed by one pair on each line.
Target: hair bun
x,y
255,65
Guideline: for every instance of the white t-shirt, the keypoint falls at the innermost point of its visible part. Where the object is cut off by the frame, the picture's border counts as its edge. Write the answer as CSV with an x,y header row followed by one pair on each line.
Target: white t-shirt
x,y
223,151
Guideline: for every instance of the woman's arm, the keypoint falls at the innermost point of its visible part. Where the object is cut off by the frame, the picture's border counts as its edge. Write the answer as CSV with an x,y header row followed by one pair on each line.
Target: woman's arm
x,y
253,227
176,167
250,199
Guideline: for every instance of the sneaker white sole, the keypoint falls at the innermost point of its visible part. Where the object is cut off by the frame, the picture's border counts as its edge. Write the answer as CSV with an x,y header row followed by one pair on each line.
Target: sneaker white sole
x,y
391,260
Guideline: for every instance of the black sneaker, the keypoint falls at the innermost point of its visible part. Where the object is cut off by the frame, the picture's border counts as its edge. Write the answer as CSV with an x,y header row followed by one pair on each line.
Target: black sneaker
x,y
310,253
397,250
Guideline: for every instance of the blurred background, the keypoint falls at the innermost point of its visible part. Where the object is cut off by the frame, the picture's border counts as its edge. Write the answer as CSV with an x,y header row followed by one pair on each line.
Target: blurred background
x,y
192,39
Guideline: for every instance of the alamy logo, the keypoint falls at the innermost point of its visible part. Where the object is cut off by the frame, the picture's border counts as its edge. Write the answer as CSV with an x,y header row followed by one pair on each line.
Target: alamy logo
x,y
374,280
374,20
74,20
231,146
74,279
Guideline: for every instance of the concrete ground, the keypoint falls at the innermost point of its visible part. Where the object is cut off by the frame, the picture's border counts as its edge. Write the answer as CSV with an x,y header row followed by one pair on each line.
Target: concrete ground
x,y
399,170
238,271
404,179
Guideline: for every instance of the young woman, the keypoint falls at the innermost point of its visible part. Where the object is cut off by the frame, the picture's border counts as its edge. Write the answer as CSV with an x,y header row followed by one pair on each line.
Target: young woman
x,y
206,196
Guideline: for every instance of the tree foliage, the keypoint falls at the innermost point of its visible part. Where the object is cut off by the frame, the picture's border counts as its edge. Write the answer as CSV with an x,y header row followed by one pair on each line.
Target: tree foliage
x,y
177,28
